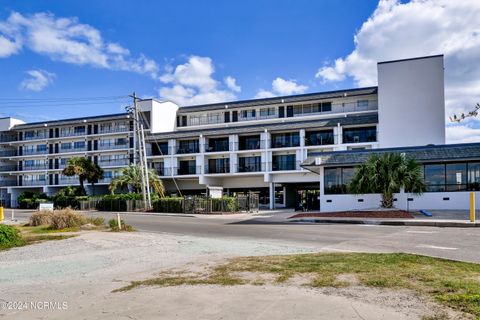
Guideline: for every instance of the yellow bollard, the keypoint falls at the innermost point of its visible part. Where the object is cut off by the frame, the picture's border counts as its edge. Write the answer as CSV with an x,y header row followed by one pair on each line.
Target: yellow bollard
x,y
472,206
1,213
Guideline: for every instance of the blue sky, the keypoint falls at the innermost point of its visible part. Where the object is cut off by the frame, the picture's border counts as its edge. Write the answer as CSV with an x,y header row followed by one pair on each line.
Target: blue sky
x,y
194,52
252,41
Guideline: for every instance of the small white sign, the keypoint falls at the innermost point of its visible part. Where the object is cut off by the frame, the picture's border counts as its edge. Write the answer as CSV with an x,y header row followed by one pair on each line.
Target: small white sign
x,y
46,206
215,192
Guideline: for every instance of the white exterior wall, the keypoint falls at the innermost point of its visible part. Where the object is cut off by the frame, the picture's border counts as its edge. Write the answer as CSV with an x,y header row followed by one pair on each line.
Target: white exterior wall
x,y
411,102
7,123
427,201
163,115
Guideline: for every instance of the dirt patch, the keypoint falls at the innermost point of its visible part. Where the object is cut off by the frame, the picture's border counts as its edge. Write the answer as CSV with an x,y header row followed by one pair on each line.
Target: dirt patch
x,y
397,214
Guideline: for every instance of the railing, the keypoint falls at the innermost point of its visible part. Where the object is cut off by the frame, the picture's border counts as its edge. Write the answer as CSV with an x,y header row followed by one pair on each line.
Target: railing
x,y
8,153
105,180
217,169
190,170
8,138
35,167
68,150
112,163
113,146
35,137
114,130
250,145
8,168
72,134
34,183
218,146
8,183
164,172
285,143
260,167
27,152
187,149
70,181
284,165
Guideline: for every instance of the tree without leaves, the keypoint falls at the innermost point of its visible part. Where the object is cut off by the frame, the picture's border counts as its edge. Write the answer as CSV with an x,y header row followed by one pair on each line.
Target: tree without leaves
x,y
387,174
462,116
131,179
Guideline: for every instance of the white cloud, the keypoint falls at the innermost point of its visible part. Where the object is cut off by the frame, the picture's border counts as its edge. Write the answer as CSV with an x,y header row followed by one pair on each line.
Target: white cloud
x,y
462,134
282,87
193,83
68,40
420,27
231,83
37,80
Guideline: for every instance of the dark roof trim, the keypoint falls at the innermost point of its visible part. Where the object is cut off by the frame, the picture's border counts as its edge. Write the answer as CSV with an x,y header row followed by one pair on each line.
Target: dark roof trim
x,y
287,99
411,59
53,122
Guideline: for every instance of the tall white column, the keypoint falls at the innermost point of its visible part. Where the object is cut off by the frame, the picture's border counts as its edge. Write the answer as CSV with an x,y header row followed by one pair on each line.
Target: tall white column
x,y
272,195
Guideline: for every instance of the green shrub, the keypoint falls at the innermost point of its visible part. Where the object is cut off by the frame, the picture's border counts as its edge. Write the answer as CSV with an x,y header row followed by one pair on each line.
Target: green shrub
x,y
10,237
113,223
30,199
41,218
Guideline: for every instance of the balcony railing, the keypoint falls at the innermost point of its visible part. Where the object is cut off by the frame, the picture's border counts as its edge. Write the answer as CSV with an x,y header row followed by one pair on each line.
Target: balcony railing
x,y
67,150
218,146
188,170
285,165
8,138
259,167
8,153
113,130
164,172
113,163
217,169
8,168
28,152
72,134
69,181
250,145
113,146
188,149
34,183
35,167
35,137
8,183
105,180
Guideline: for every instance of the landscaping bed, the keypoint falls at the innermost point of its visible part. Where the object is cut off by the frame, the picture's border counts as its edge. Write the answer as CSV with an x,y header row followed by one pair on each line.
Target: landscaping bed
x,y
394,214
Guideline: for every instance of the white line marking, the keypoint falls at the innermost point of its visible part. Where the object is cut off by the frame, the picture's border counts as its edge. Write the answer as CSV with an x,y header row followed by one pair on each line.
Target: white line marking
x,y
435,247
411,231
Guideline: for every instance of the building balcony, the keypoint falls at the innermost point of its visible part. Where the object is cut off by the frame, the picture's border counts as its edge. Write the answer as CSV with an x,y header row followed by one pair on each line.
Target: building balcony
x,y
35,137
217,146
251,167
72,134
8,183
8,138
188,170
34,167
29,152
8,153
114,163
113,146
69,150
217,169
34,183
8,168
285,165
188,149
113,130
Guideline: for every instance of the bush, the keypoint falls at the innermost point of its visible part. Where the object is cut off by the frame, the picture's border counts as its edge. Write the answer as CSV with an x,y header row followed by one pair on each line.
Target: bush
x,y
41,218
10,237
30,199
113,223
67,218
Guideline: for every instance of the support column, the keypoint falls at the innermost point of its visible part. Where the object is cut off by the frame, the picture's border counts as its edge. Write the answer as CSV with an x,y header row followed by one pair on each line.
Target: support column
x,y
272,195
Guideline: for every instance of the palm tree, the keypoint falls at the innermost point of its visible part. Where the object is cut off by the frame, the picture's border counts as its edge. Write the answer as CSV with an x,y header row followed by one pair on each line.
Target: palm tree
x,y
387,174
131,179
94,174
78,166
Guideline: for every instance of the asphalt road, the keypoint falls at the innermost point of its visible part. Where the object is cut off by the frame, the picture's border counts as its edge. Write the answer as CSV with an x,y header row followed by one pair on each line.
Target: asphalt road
x,y
451,243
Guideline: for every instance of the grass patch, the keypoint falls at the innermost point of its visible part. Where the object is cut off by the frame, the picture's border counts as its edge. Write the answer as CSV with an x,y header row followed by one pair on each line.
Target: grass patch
x,y
451,283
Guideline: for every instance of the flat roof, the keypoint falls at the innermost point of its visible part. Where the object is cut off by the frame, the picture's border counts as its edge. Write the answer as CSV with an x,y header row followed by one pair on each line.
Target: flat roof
x,y
281,99
69,121
411,59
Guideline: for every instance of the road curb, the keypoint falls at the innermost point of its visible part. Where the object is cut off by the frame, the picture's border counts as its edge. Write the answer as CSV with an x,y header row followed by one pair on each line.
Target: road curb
x,y
422,223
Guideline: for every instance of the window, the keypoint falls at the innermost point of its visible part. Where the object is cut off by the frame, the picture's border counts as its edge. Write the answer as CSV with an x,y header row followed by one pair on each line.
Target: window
x,y
456,177
79,144
356,135
120,141
247,114
337,179
214,118
474,176
41,147
29,134
249,164
362,104
283,162
285,140
65,146
267,112
435,177
317,138
79,130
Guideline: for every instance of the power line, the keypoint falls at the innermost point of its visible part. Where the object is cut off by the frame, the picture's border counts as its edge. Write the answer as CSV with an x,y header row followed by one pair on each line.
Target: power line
x,y
63,98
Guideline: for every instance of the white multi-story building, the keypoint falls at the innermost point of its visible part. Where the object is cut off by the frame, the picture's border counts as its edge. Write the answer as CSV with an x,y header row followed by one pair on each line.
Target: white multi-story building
x,y
291,149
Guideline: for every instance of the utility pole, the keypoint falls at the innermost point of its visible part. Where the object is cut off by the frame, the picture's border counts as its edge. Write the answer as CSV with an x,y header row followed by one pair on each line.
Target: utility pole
x,y
140,151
